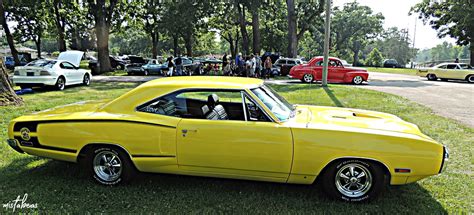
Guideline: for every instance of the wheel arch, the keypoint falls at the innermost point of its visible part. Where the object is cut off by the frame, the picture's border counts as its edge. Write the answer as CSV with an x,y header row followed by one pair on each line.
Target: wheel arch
x,y
86,148
386,169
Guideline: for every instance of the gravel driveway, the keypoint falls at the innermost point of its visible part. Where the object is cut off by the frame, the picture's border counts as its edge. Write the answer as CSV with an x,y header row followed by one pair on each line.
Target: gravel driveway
x,y
452,99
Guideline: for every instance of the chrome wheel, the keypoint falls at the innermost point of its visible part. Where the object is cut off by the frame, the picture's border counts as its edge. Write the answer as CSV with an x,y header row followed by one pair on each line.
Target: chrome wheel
x,y
432,77
60,83
87,80
358,80
353,180
308,78
107,166
470,79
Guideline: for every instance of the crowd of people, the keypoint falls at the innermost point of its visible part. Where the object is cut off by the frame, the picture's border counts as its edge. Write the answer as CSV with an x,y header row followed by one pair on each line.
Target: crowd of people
x,y
249,66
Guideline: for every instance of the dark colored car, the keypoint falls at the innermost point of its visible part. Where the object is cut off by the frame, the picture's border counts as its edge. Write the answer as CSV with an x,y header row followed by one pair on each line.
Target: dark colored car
x,y
135,65
154,67
10,62
115,63
391,63
190,67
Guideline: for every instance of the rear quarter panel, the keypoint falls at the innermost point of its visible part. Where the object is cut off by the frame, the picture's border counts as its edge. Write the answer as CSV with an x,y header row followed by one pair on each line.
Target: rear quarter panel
x,y
316,148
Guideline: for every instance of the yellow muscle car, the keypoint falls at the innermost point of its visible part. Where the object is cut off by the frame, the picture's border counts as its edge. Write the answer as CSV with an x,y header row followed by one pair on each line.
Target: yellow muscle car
x,y
447,71
231,128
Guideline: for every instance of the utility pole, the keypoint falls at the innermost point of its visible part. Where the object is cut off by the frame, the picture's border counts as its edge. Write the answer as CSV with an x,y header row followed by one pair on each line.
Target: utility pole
x,y
327,30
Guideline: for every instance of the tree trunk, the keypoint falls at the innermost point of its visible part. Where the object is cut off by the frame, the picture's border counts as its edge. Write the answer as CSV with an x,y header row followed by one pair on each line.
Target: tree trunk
x,y
154,45
102,33
59,26
38,46
188,42
11,44
243,28
471,48
7,95
292,34
256,31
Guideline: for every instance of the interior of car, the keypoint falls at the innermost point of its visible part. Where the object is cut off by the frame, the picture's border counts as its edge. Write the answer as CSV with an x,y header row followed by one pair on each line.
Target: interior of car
x,y
205,105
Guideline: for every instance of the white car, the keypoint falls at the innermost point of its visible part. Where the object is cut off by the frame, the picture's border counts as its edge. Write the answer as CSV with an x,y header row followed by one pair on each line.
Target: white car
x,y
59,73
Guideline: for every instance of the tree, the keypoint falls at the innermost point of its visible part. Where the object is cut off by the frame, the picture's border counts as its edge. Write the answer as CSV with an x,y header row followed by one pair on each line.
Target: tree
x,y
60,23
243,25
301,15
353,28
375,58
395,44
223,23
254,10
4,23
7,95
451,17
152,15
31,18
274,30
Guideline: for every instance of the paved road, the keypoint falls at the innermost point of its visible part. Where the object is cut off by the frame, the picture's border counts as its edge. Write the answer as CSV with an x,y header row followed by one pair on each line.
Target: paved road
x,y
450,99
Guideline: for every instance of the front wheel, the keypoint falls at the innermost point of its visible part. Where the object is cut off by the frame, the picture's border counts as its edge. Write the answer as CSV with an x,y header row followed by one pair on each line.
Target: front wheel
x,y
353,180
470,79
432,77
86,81
357,80
145,73
110,166
308,78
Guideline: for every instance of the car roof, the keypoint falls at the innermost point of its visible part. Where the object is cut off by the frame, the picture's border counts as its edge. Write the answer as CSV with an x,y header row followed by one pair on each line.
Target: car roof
x,y
216,82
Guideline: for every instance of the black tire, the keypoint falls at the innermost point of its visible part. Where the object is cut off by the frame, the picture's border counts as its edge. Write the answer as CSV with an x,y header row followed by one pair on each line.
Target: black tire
x,y
371,183
432,77
357,80
60,83
470,78
86,81
307,78
145,73
98,168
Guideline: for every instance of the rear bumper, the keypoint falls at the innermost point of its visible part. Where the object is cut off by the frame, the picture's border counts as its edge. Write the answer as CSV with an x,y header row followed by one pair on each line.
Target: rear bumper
x,y
35,80
14,144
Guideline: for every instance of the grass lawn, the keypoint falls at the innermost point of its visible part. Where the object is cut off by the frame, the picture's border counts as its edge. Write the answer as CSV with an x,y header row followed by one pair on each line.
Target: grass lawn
x,y
403,71
62,187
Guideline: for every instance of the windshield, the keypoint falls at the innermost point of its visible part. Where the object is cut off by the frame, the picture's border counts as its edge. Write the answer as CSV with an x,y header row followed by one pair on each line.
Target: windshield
x,y
42,63
465,66
277,104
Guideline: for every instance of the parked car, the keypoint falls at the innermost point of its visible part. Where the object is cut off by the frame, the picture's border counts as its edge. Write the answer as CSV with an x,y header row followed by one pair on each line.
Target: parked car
x,y
115,62
9,62
391,63
345,64
58,73
232,128
285,64
135,65
190,67
447,71
337,73
154,67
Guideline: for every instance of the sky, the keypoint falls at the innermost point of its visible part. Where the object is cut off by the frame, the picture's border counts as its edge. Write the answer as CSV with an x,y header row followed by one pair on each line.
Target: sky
x,y
396,14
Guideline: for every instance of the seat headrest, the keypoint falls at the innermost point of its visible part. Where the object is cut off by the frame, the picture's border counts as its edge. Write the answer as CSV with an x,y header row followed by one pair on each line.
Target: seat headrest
x,y
212,100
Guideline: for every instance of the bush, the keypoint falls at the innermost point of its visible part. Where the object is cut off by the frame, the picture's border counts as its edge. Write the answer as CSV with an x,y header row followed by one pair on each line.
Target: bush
x,y
375,58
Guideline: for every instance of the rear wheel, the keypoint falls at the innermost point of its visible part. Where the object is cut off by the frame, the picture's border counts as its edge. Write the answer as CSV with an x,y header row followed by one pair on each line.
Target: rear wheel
x,y
357,80
308,78
86,80
470,79
145,73
353,180
432,77
60,83
109,166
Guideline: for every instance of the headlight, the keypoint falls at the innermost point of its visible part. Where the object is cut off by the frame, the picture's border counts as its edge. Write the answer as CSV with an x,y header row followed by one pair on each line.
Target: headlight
x,y
45,73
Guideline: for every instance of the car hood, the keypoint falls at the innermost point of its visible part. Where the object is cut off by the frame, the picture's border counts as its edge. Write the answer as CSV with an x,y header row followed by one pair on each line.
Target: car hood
x,y
73,57
353,120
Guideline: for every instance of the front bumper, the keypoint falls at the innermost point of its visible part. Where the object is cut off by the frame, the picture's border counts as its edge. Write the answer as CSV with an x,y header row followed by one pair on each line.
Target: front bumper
x,y
14,144
445,159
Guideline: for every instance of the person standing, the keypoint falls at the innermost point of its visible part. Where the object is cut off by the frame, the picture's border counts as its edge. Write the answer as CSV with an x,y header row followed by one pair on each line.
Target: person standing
x,y
258,68
268,68
253,65
170,66
224,60
179,65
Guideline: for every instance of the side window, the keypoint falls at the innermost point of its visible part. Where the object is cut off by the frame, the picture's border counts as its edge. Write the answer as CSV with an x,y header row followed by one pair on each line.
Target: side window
x,y
65,65
319,63
253,111
291,62
452,66
333,63
198,104
442,67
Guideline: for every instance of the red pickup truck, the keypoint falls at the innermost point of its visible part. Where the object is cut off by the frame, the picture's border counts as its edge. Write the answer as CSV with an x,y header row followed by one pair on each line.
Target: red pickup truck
x,y
337,73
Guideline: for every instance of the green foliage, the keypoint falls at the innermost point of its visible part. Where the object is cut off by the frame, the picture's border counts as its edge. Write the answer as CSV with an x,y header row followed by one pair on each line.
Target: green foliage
x,y
394,44
443,52
375,58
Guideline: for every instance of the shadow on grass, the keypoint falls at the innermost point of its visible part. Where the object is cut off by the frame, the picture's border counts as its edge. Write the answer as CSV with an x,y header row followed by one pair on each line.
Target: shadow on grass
x,y
333,98
59,186
101,86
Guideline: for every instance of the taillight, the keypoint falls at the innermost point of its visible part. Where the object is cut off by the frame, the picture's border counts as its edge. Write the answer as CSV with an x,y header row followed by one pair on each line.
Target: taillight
x,y
45,73
16,73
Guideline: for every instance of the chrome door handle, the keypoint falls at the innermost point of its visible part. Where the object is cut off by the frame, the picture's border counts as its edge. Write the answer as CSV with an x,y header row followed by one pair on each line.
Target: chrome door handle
x,y
185,131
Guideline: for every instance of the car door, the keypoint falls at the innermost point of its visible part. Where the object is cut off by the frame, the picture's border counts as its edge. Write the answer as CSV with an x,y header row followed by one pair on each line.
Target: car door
x,y
249,148
450,71
69,72
335,71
